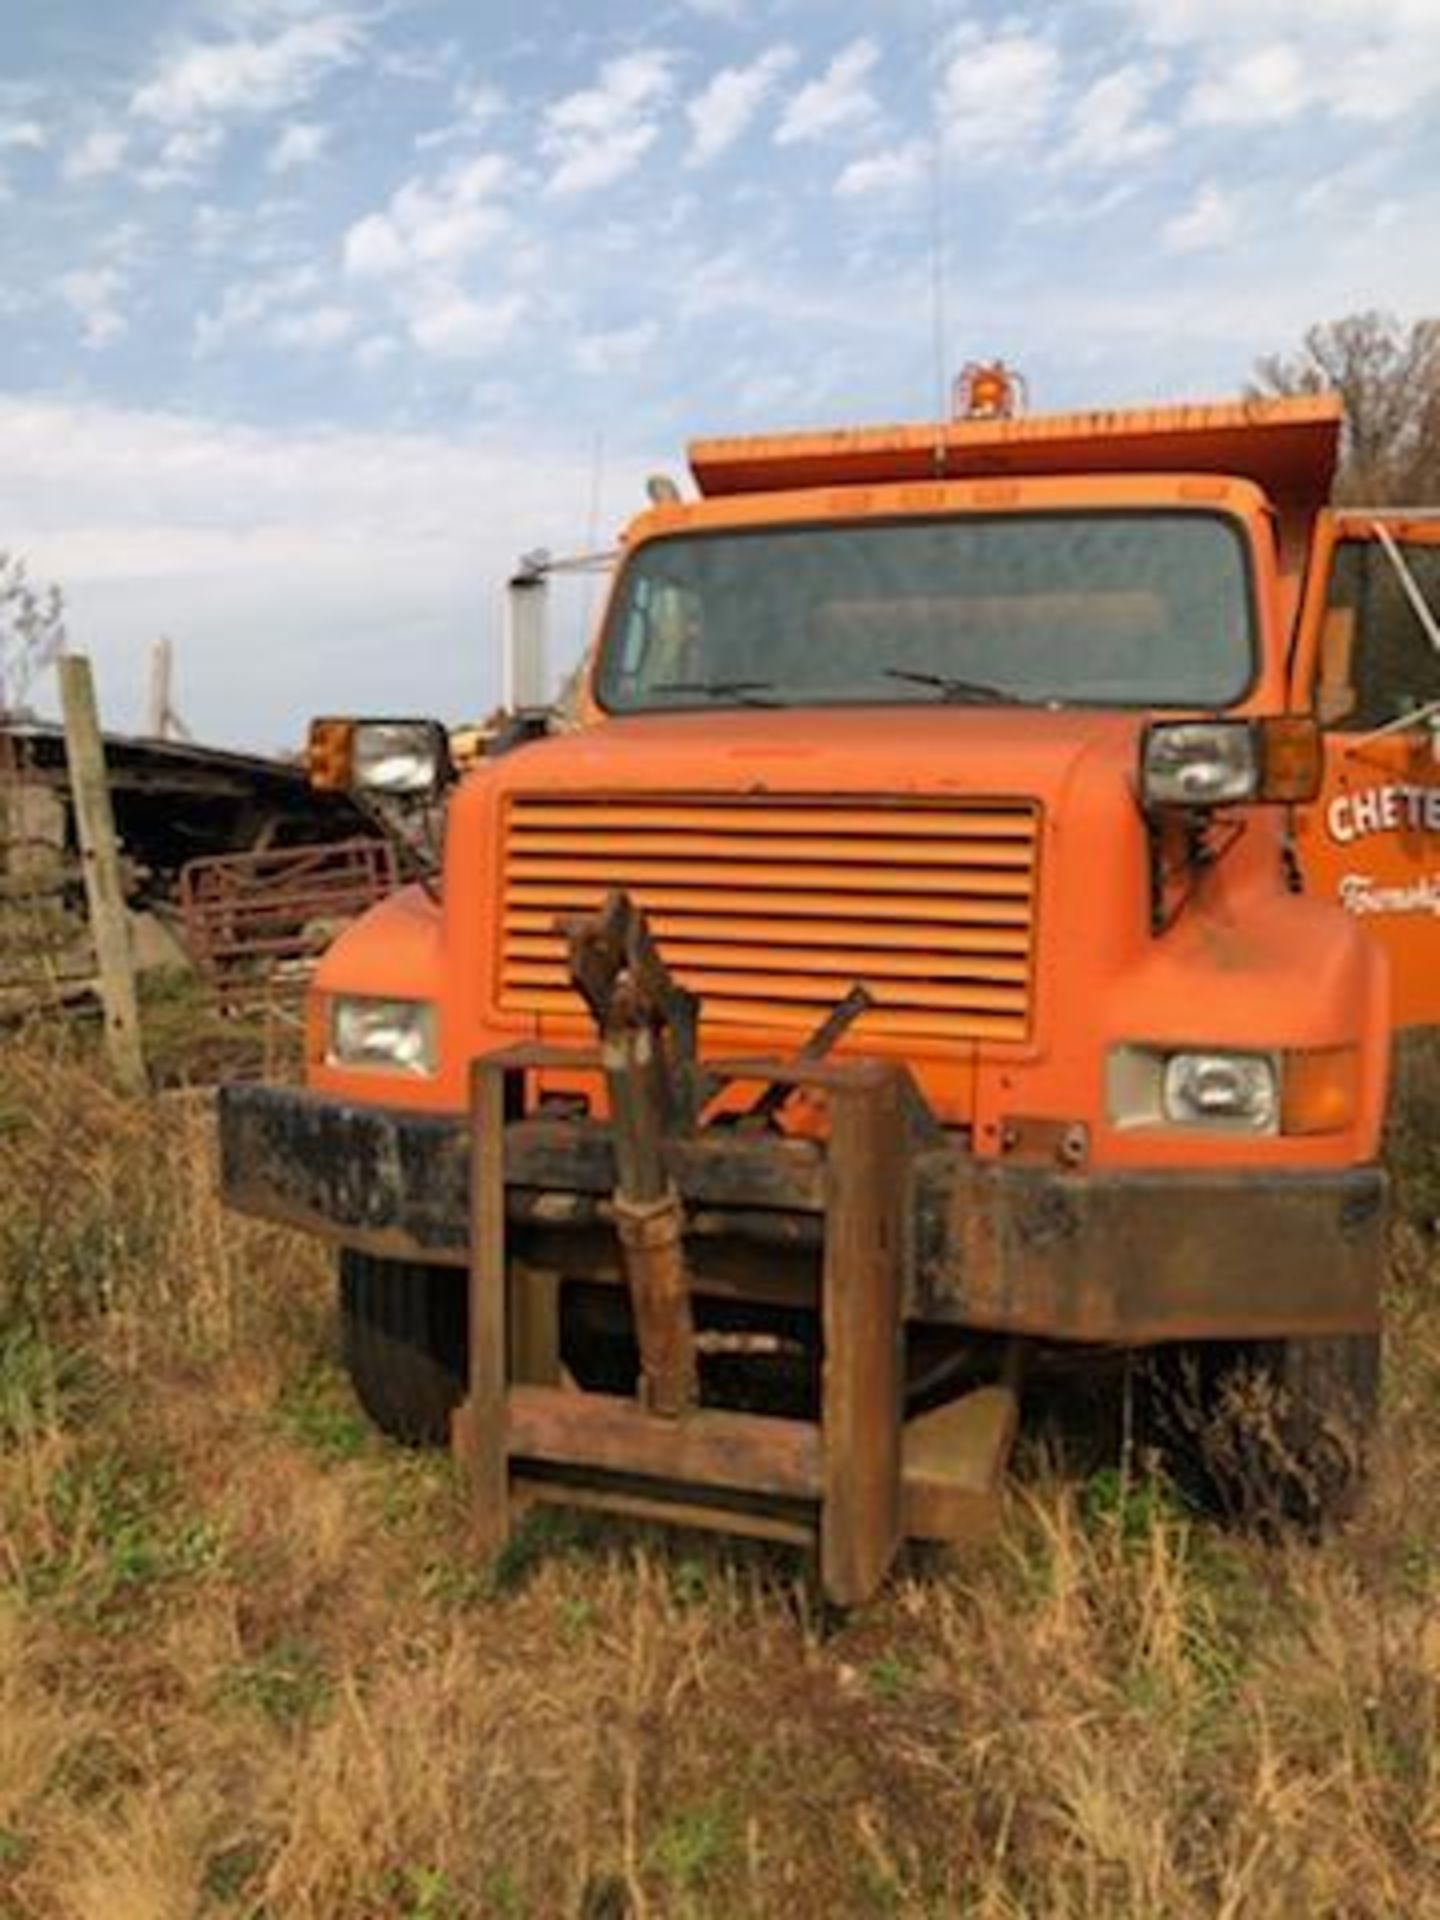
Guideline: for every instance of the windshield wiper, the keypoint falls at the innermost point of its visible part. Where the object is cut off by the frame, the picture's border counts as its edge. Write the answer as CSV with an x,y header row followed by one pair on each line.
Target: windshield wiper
x,y
967,692
749,693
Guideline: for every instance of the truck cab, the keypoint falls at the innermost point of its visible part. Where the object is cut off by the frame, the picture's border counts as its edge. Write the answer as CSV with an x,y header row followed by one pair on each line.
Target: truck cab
x,y
1061,743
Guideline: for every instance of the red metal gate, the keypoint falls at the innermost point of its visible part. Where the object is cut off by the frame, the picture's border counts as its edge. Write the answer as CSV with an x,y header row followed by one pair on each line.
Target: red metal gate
x,y
257,923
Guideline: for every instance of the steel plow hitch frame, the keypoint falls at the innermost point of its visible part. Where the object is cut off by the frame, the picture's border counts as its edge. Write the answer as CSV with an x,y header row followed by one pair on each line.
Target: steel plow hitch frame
x,y
840,1482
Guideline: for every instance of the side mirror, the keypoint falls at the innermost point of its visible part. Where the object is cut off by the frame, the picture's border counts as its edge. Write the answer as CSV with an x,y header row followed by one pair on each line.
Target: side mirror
x,y
1335,695
397,759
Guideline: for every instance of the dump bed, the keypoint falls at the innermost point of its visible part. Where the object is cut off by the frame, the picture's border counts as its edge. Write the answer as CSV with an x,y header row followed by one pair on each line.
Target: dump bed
x,y
1287,447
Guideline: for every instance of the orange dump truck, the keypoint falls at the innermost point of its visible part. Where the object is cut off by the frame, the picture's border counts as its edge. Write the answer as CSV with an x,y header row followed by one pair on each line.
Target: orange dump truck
x,y
927,964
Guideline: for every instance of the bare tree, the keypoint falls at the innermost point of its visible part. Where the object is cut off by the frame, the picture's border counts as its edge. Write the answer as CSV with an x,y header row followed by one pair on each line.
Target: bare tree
x,y
32,631
1388,375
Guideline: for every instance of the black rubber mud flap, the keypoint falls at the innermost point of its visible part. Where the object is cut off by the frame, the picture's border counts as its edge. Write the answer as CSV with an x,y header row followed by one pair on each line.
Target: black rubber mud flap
x,y
403,1337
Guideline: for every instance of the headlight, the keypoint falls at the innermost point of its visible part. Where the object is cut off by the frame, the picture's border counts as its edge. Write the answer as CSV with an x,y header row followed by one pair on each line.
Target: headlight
x,y
395,1035
1220,1090
1293,1090
1213,1089
1199,764
395,756
405,758
1219,763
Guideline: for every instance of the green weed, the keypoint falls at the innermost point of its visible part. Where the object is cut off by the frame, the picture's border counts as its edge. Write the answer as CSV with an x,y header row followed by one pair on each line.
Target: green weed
x,y
117,1531
230,1871
288,1684
890,1675
15,1849
428,1895
1128,1505
318,1412
693,1846
502,1896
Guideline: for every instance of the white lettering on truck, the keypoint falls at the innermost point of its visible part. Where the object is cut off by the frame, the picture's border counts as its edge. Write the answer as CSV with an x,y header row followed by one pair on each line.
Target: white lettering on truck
x,y
1392,809
1363,894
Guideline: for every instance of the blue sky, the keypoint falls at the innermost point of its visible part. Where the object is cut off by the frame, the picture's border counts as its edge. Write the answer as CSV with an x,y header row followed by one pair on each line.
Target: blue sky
x,y
314,313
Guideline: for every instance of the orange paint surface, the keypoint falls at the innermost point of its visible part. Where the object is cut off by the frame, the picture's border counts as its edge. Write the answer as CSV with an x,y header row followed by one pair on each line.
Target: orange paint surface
x,y
983,870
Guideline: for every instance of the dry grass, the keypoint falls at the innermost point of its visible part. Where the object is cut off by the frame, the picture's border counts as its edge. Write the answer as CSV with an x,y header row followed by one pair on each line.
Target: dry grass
x,y
246,1667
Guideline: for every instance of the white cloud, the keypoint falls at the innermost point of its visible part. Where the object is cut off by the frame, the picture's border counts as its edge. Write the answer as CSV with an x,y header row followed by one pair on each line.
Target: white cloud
x,y
1074,210
1108,124
613,351
596,136
1262,61
998,93
476,104
93,295
183,157
250,76
249,306
374,351
317,327
299,145
892,171
1265,86
100,153
451,325
292,568
839,100
432,224
720,113
22,135
214,230
1210,220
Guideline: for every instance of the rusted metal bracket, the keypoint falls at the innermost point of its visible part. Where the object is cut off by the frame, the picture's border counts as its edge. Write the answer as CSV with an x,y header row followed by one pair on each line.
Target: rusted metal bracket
x,y
841,1017
619,973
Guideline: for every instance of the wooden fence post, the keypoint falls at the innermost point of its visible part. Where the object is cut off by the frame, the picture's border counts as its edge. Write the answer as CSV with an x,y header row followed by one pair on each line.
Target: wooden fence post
x,y
100,863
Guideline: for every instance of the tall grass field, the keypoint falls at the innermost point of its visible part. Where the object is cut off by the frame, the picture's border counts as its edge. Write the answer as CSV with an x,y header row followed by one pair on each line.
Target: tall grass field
x,y
248,1666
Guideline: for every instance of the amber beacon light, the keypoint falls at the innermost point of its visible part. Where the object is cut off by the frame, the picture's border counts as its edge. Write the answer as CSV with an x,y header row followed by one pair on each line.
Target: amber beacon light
x,y
988,390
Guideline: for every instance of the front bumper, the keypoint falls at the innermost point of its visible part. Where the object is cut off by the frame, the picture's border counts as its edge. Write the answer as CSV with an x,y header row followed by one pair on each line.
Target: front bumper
x,y
1129,1257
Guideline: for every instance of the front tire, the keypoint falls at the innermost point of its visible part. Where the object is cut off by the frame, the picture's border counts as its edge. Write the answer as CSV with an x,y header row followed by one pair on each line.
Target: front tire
x,y
403,1337
1269,1431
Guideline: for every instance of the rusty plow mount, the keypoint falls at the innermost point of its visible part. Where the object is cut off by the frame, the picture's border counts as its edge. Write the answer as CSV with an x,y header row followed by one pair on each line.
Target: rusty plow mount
x,y
855,1477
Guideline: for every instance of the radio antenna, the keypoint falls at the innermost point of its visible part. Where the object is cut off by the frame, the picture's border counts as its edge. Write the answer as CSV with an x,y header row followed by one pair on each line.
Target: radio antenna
x,y
939,221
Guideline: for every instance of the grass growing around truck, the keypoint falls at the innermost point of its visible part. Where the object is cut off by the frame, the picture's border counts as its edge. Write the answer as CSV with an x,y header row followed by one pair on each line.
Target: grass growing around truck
x,y
246,1667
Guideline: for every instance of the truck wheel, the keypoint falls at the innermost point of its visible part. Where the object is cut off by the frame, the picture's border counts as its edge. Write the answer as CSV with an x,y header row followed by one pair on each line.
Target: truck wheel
x,y
1270,1430
403,1334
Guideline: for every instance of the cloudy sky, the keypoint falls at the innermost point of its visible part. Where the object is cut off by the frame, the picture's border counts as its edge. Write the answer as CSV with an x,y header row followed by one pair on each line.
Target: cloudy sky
x,y
315,313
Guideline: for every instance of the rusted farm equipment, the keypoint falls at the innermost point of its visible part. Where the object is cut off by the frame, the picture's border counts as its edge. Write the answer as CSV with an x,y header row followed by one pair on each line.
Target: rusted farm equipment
x,y
256,923
854,1477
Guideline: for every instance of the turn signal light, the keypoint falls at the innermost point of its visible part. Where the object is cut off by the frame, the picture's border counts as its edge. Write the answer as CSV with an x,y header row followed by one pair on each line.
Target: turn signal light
x,y
1320,1090
1291,761
330,755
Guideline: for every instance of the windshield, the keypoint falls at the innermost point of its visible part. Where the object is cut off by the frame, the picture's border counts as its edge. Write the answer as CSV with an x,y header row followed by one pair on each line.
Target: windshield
x,y
1142,609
